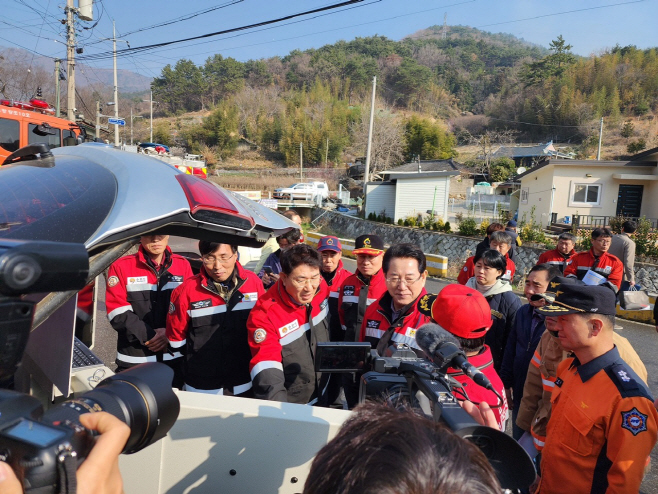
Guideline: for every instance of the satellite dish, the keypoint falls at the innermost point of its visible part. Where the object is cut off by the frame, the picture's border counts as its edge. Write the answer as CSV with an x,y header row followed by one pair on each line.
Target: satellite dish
x,y
520,170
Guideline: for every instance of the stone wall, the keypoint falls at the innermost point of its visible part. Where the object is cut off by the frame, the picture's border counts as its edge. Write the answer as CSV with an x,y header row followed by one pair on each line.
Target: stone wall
x,y
455,247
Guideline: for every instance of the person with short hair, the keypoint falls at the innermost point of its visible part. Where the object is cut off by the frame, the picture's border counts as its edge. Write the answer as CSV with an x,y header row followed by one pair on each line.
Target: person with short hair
x,y
523,338
207,322
500,241
488,280
285,326
138,293
394,318
484,245
465,313
598,260
603,423
334,274
272,267
535,408
559,256
271,245
362,288
622,247
380,449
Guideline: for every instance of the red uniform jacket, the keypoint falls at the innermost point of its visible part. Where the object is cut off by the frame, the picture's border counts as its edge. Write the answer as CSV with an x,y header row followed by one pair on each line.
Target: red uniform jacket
x,y
283,336
609,267
335,281
468,271
137,300
484,362
212,332
378,327
555,258
353,301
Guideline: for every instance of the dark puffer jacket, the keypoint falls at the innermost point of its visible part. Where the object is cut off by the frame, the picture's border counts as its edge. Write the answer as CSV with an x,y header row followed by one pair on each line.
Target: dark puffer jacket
x,y
521,345
504,304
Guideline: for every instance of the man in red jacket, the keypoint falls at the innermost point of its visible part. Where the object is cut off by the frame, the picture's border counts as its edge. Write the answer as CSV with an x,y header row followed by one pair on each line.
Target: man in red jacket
x,y
465,313
362,288
394,318
285,327
500,241
139,288
207,322
335,274
597,260
559,256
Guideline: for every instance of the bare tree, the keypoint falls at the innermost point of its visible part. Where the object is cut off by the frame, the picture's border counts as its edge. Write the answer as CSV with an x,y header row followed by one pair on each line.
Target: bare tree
x,y
488,143
387,139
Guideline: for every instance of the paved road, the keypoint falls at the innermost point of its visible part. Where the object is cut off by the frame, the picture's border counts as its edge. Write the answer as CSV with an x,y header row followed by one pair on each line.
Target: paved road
x,y
643,337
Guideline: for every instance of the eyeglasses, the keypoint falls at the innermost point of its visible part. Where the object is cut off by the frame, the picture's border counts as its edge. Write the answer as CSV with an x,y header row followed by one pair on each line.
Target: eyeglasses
x,y
301,282
211,260
396,280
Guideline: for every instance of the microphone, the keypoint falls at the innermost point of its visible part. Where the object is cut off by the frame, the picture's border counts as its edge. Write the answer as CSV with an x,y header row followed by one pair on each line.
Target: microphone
x,y
444,350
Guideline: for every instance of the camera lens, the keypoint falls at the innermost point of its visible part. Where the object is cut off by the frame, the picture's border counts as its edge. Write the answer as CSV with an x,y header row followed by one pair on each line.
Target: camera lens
x,y
141,397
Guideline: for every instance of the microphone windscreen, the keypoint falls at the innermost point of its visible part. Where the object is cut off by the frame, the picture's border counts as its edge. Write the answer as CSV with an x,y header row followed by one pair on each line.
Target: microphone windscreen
x,y
431,335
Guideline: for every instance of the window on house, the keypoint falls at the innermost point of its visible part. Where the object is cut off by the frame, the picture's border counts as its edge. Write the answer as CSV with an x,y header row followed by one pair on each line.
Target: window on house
x,y
587,193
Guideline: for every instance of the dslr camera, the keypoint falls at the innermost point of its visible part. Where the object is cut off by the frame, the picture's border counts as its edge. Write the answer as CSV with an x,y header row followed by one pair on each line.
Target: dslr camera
x,y
405,379
46,448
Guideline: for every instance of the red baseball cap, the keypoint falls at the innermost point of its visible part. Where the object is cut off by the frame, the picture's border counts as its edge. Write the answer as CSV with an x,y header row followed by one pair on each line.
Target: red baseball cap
x,y
458,309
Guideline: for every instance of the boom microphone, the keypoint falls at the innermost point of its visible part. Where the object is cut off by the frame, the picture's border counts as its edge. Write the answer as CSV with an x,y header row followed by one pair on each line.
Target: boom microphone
x,y
444,350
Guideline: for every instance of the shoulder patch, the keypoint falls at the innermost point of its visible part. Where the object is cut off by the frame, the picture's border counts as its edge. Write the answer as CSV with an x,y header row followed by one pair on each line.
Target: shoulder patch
x,y
626,381
201,304
259,335
112,281
634,421
172,308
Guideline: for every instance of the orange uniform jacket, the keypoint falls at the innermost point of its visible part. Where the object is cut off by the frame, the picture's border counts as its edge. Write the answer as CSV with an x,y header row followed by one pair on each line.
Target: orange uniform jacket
x,y
602,428
535,408
609,267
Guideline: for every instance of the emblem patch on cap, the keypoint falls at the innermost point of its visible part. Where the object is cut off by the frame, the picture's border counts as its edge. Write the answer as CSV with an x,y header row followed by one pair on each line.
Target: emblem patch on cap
x,y
366,242
172,308
634,421
112,281
330,241
259,335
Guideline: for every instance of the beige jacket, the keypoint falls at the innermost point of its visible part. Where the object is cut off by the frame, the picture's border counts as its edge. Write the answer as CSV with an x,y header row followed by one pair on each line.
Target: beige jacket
x,y
535,408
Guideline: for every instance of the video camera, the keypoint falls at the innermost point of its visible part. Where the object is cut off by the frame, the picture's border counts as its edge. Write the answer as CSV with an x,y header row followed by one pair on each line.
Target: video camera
x,y
404,378
46,448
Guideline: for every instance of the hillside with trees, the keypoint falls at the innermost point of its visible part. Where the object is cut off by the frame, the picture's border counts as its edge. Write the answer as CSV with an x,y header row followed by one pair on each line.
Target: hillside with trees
x,y
432,95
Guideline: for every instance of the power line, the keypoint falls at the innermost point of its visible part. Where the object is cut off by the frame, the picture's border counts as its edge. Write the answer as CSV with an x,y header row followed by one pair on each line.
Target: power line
x,y
105,55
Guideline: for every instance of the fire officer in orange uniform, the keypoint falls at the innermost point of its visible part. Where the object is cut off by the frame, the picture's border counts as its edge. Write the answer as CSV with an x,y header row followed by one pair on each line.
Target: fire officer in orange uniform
x,y
603,423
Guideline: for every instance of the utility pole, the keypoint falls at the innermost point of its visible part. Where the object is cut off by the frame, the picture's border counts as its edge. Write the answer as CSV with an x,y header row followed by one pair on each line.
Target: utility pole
x,y
116,86
70,60
598,153
98,119
57,95
151,102
369,148
326,154
301,162
131,124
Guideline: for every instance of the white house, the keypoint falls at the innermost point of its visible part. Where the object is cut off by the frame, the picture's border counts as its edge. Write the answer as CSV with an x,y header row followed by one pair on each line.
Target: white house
x,y
559,189
409,193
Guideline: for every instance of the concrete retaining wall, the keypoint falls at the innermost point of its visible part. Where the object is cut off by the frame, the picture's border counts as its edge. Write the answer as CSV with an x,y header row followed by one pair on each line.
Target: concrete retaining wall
x,y
457,248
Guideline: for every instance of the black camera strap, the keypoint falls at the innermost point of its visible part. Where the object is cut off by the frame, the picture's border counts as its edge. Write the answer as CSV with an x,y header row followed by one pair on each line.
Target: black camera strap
x,y
67,465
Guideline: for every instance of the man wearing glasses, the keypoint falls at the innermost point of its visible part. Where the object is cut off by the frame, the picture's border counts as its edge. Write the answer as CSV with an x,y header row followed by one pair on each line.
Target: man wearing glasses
x,y
395,317
362,288
139,288
285,327
207,322
608,267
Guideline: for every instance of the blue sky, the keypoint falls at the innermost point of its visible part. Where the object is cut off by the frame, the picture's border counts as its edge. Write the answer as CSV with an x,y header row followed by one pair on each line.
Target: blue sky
x,y
589,25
